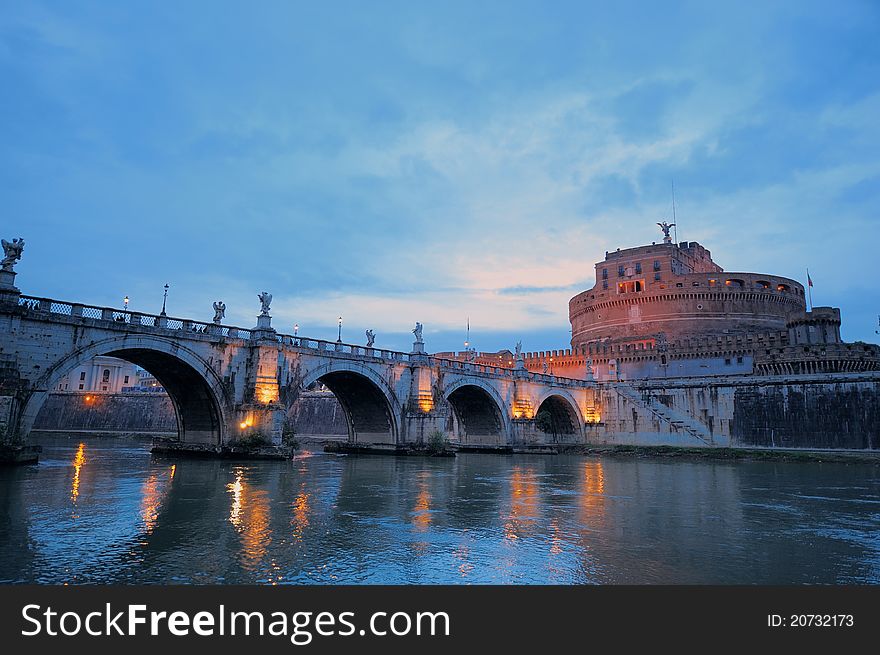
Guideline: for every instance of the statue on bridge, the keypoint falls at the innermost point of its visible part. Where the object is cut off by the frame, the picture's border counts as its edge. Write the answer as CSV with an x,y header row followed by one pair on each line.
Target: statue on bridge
x,y
265,299
219,311
371,337
666,227
519,350
418,332
12,252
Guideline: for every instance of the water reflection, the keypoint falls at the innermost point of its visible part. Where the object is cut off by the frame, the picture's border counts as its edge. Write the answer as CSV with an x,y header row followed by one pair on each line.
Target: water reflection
x,y
524,508
79,461
472,519
249,513
422,510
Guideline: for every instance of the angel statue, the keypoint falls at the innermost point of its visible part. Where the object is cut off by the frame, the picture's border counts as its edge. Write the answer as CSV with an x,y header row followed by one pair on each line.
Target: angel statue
x,y
12,252
666,227
418,332
265,299
519,349
371,337
219,311
544,367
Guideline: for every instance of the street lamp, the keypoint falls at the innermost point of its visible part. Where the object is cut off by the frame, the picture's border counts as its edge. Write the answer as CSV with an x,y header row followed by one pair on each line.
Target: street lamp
x,y
164,298
125,302
339,338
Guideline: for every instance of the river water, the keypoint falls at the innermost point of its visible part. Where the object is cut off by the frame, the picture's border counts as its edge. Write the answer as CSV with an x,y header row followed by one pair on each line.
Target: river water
x,y
106,511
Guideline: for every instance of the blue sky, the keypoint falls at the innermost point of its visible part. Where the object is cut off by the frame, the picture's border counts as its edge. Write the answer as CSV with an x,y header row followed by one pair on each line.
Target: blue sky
x,y
403,161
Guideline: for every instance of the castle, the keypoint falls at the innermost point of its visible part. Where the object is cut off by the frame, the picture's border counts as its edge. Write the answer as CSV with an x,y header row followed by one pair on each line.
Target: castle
x,y
667,310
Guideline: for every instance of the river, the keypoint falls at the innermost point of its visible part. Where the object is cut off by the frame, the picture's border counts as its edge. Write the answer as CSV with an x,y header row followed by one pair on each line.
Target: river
x,y
106,511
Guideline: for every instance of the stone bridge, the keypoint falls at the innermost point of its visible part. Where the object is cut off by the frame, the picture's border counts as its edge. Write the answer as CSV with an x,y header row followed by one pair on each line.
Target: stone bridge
x,y
228,384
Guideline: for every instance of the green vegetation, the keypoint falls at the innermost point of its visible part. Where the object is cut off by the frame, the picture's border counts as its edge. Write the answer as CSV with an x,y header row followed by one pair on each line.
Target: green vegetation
x,y
288,436
544,421
437,442
252,439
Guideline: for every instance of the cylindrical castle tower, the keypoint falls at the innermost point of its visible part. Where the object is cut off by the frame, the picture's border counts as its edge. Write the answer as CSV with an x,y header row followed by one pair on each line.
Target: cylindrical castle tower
x,y
677,289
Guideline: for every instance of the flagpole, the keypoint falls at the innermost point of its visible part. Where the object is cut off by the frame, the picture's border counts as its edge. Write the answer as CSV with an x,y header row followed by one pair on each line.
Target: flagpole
x,y
810,289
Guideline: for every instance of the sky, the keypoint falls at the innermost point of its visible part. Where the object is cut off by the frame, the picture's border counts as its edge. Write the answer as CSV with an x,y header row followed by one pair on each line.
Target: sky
x,y
393,162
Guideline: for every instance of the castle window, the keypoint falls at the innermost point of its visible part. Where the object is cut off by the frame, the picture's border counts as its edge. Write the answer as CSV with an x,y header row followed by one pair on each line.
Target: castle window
x,y
696,284
739,360
620,271
656,265
656,277
638,267
784,288
679,284
712,282
604,273
125,380
727,361
82,376
106,377
604,284
80,387
762,284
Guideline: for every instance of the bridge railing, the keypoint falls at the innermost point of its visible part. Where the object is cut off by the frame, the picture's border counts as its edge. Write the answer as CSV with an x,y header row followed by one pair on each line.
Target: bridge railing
x,y
47,305
50,306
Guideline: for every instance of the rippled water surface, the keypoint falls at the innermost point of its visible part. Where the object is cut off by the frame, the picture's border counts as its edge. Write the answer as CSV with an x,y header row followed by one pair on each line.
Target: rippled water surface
x,y
107,511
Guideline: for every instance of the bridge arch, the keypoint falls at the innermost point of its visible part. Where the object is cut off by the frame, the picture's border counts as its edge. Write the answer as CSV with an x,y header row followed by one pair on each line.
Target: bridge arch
x,y
564,417
370,405
197,392
480,412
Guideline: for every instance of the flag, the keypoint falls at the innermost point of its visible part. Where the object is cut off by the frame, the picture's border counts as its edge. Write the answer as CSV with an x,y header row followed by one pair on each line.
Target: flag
x,y
809,279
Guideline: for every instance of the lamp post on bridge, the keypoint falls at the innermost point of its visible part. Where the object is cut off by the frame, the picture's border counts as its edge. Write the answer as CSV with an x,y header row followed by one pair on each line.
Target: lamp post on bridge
x,y
125,302
164,299
339,338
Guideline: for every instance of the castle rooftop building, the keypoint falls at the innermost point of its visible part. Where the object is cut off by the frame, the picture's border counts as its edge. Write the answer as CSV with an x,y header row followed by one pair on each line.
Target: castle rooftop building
x,y
677,290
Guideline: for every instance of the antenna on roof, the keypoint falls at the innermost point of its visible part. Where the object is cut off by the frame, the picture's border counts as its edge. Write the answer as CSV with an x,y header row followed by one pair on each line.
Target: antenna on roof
x,y
674,219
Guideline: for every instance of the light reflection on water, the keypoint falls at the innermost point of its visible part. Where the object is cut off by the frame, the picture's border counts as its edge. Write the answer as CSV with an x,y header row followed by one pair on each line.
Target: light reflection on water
x,y
106,511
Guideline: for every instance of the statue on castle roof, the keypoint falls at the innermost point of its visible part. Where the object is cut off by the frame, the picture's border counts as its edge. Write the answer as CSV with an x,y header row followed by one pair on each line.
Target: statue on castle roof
x,y
666,227
12,251
418,332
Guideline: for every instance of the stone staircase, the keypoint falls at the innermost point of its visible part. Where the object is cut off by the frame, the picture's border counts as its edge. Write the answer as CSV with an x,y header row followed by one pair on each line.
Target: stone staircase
x,y
680,421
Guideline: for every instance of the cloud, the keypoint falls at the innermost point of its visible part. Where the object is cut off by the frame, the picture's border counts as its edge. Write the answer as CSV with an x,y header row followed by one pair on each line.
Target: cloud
x,y
430,164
